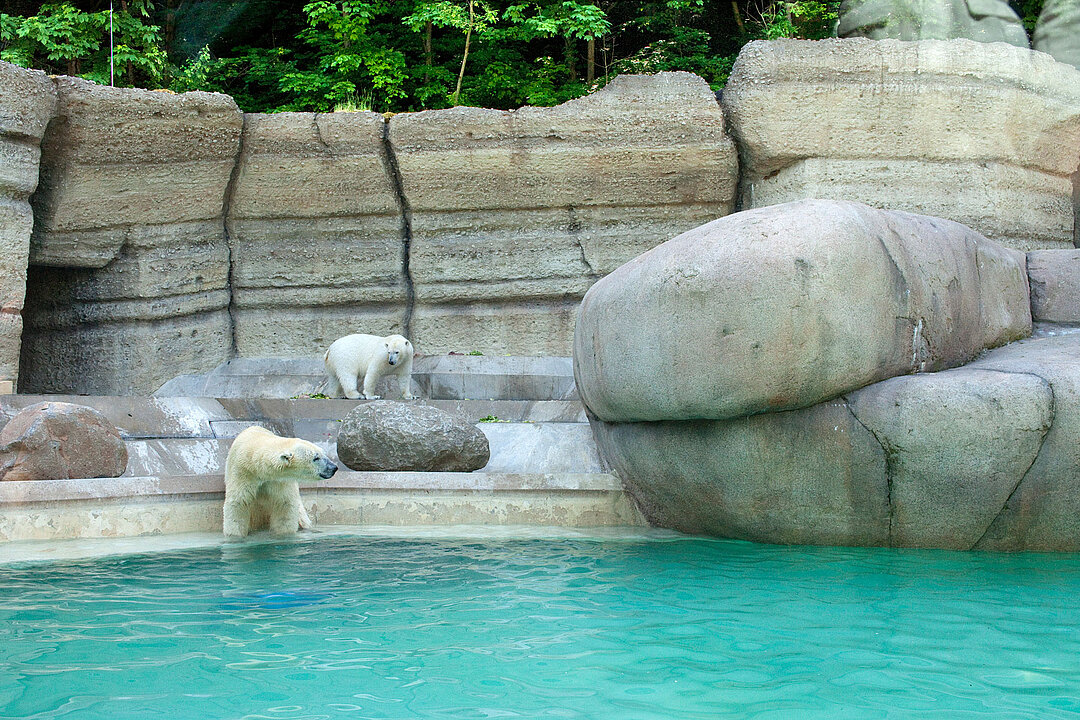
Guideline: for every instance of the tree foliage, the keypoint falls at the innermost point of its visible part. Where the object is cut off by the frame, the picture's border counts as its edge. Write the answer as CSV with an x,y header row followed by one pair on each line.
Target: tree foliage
x,y
397,55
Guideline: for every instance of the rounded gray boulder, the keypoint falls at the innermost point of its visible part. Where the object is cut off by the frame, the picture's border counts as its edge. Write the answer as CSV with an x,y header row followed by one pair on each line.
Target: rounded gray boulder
x,y
393,436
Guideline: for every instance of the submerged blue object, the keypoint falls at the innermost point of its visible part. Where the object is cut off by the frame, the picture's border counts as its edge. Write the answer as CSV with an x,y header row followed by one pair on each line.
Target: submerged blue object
x,y
278,600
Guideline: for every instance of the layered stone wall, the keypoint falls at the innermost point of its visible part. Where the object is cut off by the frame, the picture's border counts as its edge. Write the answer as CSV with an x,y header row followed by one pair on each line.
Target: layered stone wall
x,y
129,274
27,101
987,134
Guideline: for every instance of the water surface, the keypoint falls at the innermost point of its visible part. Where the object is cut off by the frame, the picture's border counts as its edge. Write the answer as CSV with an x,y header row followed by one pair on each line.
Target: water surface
x,y
681,628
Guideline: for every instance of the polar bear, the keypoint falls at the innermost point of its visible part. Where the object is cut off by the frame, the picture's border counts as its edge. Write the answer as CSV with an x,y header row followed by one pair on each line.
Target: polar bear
x,y
370,356
262,472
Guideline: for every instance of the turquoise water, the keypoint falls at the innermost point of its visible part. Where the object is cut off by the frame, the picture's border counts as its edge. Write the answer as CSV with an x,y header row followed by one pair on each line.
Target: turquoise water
x,y
362,627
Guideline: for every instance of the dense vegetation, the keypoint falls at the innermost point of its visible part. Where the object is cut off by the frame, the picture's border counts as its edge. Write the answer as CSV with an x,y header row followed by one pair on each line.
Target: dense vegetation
x,y
397,55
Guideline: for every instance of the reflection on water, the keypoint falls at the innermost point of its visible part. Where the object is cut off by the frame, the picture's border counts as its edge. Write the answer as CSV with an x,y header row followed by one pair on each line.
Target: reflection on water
x,y
364,627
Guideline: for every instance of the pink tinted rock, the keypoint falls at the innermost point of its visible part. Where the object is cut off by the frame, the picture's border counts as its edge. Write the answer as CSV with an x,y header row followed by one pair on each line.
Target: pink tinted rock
x,y
59,441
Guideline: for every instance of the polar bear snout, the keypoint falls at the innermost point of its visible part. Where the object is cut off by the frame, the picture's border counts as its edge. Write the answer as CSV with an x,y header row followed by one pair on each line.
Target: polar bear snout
x,y
326,468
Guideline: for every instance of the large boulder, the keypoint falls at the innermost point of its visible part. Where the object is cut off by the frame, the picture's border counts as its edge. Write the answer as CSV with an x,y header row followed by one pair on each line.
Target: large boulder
x,y
929,127
981,20
787,306
27,102
841,313
58,441
129,277
393,436
1058,31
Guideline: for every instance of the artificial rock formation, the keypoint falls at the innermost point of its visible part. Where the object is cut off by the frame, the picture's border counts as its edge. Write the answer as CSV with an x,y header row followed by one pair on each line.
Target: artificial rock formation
x,y
128,284
1054,276
1058,31
58,441
790,305
986,134
316,230
982,454
393,436
27,101
513,215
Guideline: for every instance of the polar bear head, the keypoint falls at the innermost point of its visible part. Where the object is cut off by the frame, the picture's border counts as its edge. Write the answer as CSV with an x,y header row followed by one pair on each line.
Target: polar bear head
x,y
398,349
304,460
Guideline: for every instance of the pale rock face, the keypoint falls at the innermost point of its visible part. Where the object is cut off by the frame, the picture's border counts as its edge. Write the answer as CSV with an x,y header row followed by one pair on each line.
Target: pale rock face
x,y
27,101
59,441
129,262
928,127
392,436
787,306
515,214
316,229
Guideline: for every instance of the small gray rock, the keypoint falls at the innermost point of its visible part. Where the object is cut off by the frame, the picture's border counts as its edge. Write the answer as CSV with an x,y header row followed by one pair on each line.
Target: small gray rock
x,y
58,441
393,436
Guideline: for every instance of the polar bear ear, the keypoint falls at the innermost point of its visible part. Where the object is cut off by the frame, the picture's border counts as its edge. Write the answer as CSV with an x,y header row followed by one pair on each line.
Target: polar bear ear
x,y
286,457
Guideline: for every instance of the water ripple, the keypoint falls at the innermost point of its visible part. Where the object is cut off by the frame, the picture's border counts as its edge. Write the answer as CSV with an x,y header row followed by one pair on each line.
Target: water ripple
x,y
367,627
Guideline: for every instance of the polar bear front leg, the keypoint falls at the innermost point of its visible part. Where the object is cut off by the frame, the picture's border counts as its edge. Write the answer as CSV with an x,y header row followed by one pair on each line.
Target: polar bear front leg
x,y
236,519
405,381
285,512
371,376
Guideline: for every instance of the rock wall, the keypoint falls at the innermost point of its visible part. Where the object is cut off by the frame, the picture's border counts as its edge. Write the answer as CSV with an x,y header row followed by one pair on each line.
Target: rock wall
x,y
465,229
129,274
984,134
27,101
514,215
789,413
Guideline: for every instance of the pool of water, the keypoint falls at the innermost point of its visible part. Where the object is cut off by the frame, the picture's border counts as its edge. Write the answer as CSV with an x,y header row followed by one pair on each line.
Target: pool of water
x,y
640,627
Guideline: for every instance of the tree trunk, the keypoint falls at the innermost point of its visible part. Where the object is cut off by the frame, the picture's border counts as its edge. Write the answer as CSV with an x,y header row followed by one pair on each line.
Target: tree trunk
x,y
465,57
429,56
570,53
738,16
590,66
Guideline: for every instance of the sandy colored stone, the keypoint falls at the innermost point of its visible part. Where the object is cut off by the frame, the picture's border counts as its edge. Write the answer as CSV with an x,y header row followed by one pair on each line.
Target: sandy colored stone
x,y
130,279
790,305
514,214
58,441
27,102
927,127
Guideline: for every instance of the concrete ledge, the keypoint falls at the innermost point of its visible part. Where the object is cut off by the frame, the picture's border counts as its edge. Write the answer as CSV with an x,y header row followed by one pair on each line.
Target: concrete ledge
x,y
125,507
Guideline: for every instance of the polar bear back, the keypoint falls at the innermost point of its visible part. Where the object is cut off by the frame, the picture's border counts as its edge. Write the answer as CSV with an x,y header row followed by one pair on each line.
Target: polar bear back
x,y
352,354
258,455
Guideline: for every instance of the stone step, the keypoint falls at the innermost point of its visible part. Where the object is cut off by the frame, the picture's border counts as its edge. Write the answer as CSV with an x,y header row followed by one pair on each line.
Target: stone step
x,y
125,507
436,377
182,417
515,448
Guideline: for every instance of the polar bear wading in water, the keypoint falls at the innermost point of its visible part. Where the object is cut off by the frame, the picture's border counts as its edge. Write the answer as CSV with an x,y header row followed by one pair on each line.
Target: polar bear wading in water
x,y
371,357
262,476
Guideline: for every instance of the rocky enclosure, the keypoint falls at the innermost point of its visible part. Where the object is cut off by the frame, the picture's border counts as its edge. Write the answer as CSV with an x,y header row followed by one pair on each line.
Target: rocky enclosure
x,y
172,231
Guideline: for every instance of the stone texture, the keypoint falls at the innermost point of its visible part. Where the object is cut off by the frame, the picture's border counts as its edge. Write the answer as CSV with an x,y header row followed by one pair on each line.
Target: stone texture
x,y
810,476
1043,512
981,20
928,127
58,441
787,306
1058,31
515,214
316,230
957,443
385,435
27,102
129,279
1054,276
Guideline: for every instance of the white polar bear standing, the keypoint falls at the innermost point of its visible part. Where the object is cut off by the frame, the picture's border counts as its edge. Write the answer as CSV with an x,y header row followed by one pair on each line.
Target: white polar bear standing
x,y
371,357
262,476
